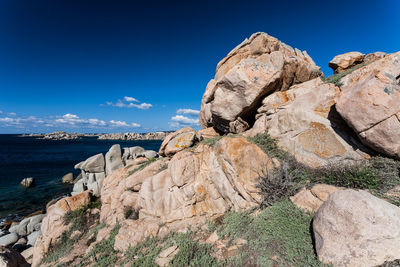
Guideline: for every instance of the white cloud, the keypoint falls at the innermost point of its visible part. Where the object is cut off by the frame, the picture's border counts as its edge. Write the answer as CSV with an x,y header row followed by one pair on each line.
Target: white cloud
x,y
185,120
123,124
6,119
127,103
130,99
11,114
187,111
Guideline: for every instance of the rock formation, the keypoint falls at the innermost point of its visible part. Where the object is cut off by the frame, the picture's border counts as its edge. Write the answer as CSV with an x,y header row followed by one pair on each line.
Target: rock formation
x,y
28,182
354,228
369,103
177,141
257,67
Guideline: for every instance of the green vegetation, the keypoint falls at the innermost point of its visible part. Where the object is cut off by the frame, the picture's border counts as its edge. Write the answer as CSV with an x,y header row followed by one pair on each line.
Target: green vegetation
x,y
336,78
142,166
191,253
377,174
79,220
278,236
212,141
103,252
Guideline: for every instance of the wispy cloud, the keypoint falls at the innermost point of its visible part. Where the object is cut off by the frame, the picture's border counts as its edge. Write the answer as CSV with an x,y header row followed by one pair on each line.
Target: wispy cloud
x,y
190,118
130,99
65,121
187,111
127,102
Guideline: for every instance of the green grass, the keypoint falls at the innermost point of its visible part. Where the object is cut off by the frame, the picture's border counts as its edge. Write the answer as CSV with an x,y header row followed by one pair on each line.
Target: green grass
x,y
336,78
142,166
103,252
191,253
279,236
378,173
212,141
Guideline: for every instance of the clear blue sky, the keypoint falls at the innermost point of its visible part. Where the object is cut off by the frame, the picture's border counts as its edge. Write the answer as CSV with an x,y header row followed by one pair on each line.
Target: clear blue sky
x,y
67,65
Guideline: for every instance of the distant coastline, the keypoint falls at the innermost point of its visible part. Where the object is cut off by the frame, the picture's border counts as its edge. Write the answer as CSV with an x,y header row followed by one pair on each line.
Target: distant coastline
x,y
61,135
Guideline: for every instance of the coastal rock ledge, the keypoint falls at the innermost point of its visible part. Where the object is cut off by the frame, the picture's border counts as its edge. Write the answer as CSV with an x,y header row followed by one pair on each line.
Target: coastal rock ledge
x,y
284,152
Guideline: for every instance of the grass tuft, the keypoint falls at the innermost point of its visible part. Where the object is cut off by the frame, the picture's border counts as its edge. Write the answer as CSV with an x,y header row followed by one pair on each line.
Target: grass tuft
x,y
212,141
336,78
142,166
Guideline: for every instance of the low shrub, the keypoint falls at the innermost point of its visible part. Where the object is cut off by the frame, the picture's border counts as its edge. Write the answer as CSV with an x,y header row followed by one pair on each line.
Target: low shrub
x,y
336,78
212,141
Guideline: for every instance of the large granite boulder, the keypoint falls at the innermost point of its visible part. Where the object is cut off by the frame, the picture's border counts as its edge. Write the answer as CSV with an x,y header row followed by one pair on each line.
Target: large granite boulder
x,y
258,66
354,228
53,224
199,184
11,258
304,122
177,141
113,159
343,62
369,103
95,163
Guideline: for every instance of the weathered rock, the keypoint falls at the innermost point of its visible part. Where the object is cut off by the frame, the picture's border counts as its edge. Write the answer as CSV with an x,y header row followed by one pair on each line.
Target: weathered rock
x,y
149,154
33,237
20,245
53,224
28,254
312,199
28,182
258,66
197,185
9,239
304,122
374,56
369,103
78,188
354,228
166,255
68,178
343,62
34,221
11,258
120,190
113,159
93,164
206,133
177,141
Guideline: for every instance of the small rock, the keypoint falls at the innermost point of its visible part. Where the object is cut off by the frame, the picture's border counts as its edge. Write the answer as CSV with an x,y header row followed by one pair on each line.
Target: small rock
x,y
32,237
341,63
212,238
9,239
28,182
68,178
28,254
166,256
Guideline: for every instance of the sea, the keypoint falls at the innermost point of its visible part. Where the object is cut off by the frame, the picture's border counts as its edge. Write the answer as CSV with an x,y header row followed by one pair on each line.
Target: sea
x,y
46,161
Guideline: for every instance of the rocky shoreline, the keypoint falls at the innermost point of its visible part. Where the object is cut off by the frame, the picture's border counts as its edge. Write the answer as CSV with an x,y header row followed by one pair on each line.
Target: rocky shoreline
x,y
290,169
61,135
21,232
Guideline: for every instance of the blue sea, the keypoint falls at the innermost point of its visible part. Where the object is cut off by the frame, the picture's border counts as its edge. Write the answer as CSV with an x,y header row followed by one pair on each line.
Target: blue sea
x,y
46,161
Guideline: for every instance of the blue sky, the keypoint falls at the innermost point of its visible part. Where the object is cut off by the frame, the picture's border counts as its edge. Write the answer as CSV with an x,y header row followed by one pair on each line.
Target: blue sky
x,y
139,66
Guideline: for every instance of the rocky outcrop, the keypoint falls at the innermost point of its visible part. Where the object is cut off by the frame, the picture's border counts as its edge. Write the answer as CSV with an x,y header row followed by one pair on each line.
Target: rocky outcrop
x,y
11,258
257,67
113,159
134,136
93,174
9,239
53,225
369,103
68,178
304,122
177,141
198,184
312,199
28,182
343,62
206,133
354,228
